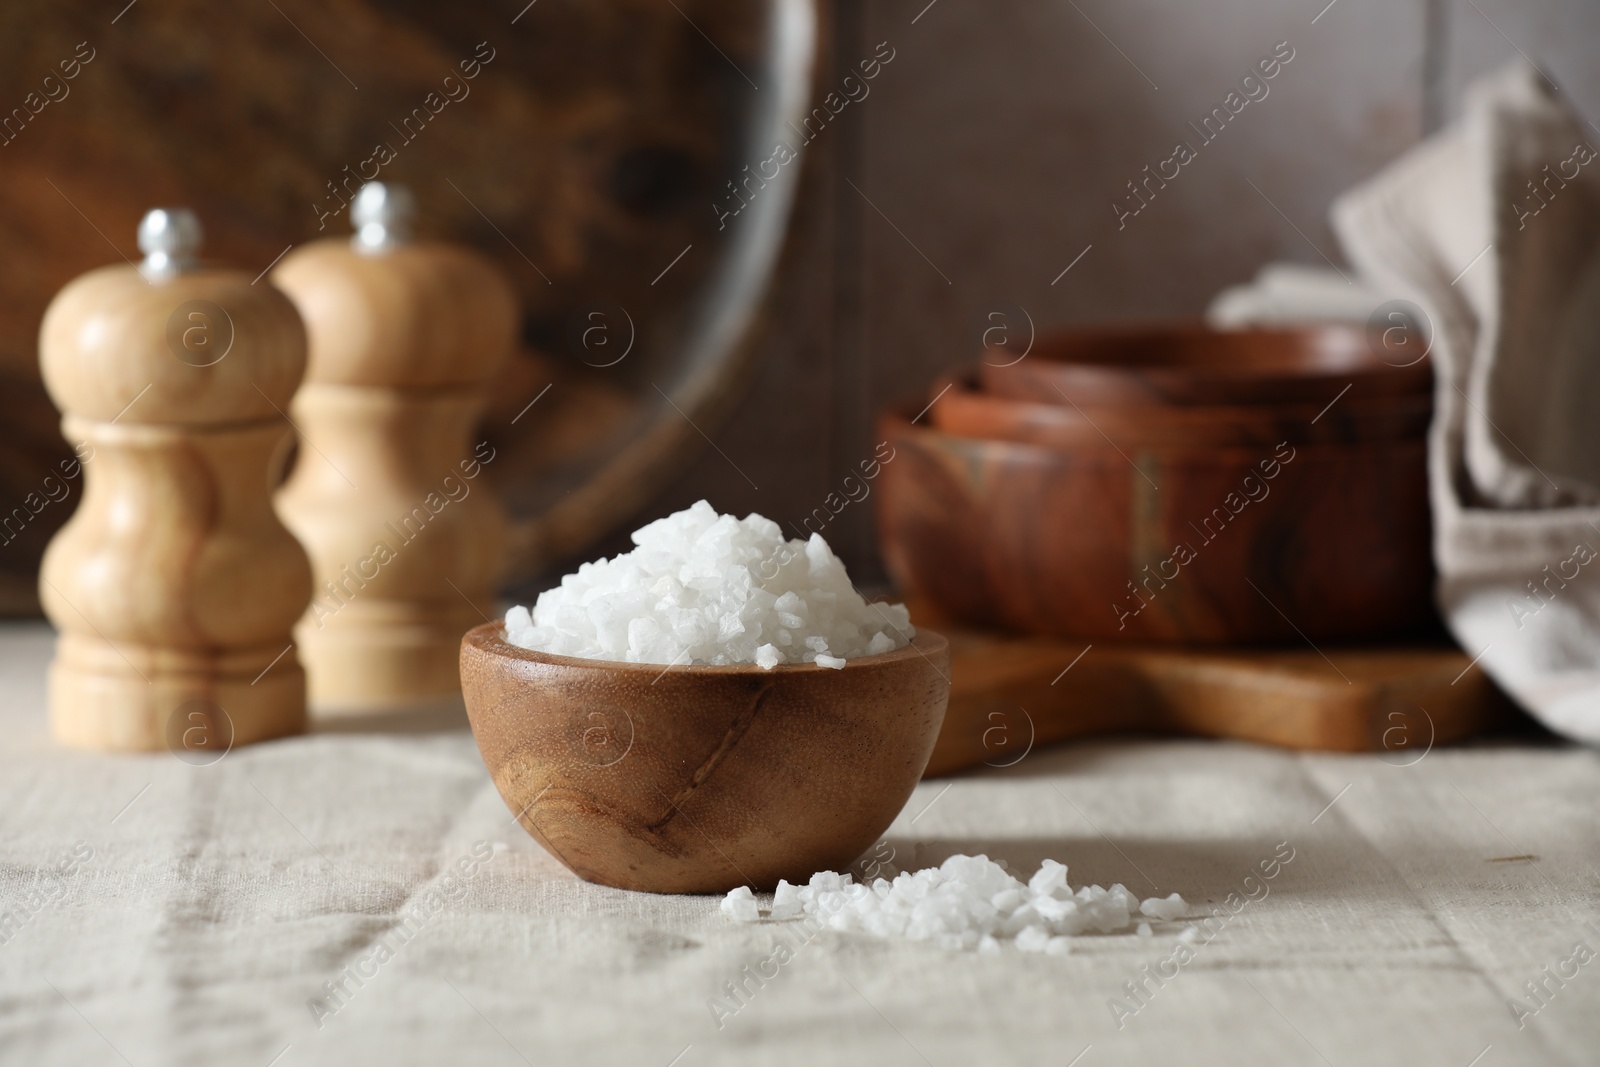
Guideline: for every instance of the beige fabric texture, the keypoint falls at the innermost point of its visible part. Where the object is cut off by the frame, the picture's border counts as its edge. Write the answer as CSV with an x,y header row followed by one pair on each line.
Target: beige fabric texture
x,y
1292,294
174,915
1493,227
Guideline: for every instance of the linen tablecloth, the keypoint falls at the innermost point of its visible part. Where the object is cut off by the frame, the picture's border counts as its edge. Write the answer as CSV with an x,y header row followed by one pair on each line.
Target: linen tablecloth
x,y
365,897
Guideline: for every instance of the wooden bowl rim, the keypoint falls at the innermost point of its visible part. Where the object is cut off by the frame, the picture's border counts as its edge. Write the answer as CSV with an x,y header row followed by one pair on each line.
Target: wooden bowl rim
x,y
1094,348
965,388
899,421
489,638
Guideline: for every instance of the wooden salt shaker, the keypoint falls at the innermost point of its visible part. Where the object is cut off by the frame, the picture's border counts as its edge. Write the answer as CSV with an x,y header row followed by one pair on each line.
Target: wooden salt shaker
x,y
174,586
406,536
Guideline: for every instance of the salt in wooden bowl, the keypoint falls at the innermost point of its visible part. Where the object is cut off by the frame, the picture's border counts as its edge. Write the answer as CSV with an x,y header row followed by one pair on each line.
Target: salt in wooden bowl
x,y
698,779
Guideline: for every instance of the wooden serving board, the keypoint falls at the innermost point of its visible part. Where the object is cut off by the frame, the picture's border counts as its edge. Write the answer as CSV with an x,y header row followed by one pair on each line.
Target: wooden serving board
x,y
1010,695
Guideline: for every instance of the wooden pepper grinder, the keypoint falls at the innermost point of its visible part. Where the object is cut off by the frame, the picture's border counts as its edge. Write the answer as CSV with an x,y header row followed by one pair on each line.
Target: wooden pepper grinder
x,y
406,536
174,586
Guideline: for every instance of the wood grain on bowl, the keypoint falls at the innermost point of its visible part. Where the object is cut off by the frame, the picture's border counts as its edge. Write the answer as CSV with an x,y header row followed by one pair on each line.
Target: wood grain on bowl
x,y
964,411
700,779
1209,545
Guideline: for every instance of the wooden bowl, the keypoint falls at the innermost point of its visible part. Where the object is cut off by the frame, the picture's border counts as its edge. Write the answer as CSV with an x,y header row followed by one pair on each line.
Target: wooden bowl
x,y
968,413
701,779
1078,542
1183,364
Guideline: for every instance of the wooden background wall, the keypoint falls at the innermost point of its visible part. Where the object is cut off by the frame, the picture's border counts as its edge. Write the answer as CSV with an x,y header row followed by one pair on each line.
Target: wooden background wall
x,y
986,157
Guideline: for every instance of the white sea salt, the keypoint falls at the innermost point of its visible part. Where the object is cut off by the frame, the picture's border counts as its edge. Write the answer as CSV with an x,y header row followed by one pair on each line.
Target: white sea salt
x,y
968,902
1033,939
704,588
1165,910
740,905
786,902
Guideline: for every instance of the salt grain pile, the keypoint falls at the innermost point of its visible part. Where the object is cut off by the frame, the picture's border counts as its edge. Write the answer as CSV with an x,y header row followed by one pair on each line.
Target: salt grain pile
x,y
704,588
969,902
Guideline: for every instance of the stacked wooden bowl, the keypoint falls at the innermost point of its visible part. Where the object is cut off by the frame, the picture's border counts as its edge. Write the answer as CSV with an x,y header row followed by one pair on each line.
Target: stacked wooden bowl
x,y
1166,484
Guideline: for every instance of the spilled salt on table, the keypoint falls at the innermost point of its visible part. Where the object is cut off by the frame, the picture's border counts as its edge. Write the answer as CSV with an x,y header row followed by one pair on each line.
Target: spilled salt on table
x,y
968,902
704,588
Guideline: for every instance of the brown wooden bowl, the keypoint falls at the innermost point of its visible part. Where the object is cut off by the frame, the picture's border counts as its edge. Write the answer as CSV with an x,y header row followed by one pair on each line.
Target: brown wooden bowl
x,y
700,779
1188,363
1080,543
963,411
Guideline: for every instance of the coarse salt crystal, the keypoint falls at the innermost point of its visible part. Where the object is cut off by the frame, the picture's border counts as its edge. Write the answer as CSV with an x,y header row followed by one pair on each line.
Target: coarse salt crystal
x,y
1054,911
1165,910
704,588
740,905
968,903
1033,939
1051,876
786,902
